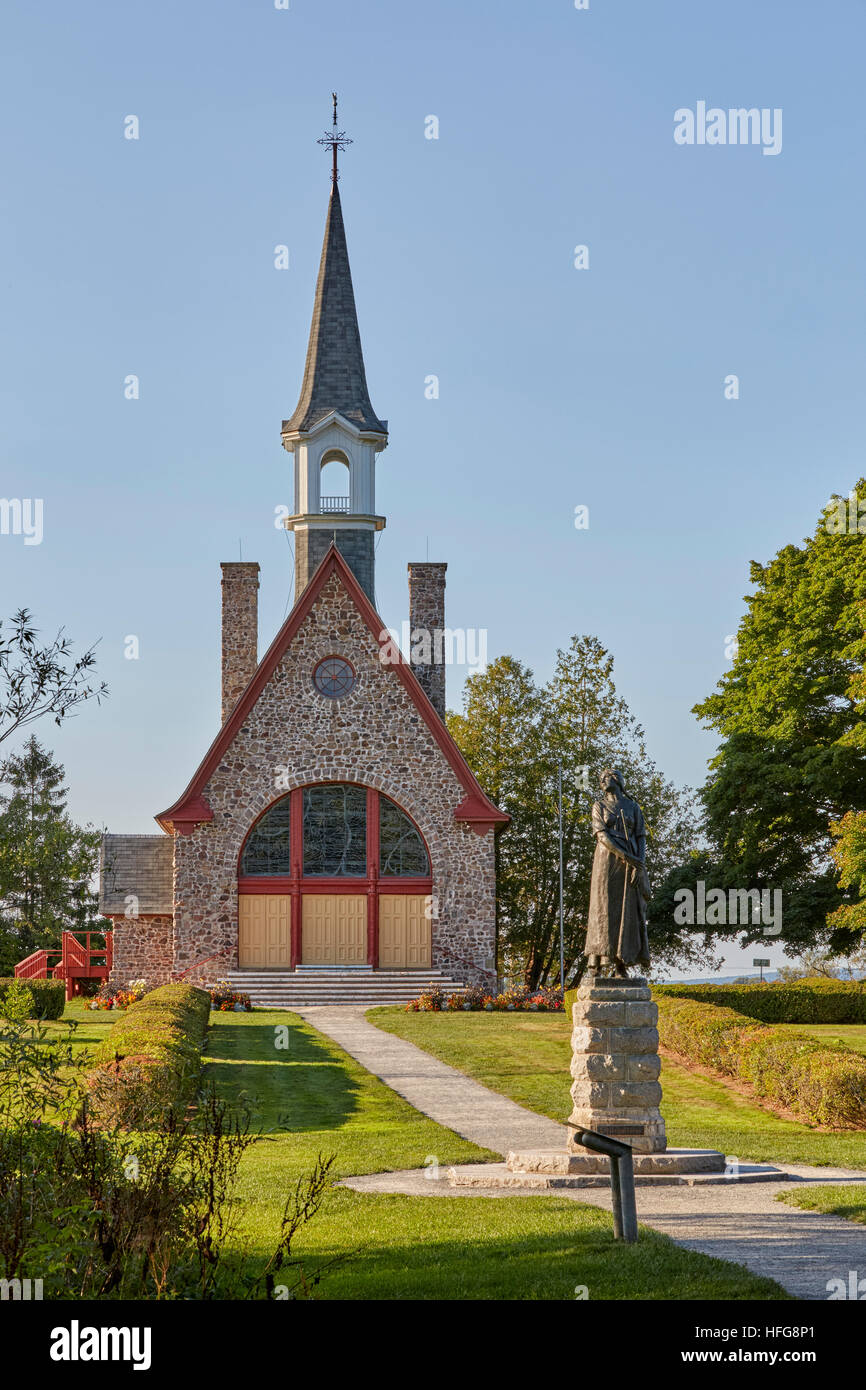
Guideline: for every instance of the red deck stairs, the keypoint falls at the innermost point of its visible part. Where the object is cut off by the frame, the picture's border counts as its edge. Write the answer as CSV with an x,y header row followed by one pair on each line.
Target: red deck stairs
x,y
76,960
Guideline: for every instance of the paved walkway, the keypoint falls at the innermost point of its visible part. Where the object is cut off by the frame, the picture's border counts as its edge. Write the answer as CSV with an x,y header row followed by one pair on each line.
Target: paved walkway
x,y
801,1250
447,1096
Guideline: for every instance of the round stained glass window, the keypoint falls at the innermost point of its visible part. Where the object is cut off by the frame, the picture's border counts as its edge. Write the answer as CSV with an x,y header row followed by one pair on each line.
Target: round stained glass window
x,y
334,678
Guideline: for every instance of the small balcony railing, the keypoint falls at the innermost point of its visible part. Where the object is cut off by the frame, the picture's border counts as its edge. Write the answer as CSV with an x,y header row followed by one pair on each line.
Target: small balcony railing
x,y
335,504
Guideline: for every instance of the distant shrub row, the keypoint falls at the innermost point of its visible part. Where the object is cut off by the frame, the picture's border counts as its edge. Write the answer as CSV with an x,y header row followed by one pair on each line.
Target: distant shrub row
x,y
49,996
149,1062
821,1082
814,1000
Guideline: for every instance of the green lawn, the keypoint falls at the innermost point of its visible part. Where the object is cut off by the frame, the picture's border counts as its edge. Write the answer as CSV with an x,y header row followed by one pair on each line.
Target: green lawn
x,y
853,1035
91,1025
527,1057
313,1098
847,1199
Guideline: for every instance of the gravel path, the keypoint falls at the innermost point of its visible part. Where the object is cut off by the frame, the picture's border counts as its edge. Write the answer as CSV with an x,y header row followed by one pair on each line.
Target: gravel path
x,y
801,1250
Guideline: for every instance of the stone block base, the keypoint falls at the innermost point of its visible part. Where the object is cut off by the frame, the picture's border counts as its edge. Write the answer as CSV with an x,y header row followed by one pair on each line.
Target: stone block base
x,y
561,1162
492,1178
615,1065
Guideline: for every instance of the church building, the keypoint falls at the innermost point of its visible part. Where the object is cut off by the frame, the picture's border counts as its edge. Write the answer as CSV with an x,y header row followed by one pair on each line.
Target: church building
x,y
332,844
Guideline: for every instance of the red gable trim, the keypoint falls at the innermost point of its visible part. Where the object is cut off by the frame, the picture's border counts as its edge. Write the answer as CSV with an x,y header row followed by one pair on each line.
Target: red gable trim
x,y
192,808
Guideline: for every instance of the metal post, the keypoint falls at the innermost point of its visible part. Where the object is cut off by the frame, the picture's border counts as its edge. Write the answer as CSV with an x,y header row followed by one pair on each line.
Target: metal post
x,y
621,1179
561,918
616,1196
628,1206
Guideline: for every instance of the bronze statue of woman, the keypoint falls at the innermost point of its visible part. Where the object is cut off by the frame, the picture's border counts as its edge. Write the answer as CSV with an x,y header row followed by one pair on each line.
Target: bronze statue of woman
x,y
616,933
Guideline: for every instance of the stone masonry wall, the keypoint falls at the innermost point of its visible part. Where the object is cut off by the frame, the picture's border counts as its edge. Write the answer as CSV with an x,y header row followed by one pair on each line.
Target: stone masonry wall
x,y
143,949
427,615
240,634
375,736
356,545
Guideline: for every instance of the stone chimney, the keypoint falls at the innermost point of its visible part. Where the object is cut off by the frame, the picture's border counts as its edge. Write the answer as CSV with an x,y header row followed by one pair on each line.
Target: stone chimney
x,y
427,630
240,585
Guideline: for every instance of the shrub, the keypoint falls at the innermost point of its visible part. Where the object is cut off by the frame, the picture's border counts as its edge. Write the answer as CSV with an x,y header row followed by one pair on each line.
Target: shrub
x,y
149,1063
813,1000
820,1082
49,996
100,1215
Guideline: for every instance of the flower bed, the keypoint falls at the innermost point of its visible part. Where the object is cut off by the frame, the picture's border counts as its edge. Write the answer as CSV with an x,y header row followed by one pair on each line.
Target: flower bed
x,y
475,1000
119,998
225,998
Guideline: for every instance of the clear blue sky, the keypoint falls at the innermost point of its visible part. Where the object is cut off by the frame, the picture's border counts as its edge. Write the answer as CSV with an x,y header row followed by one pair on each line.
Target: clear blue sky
x,y
558,387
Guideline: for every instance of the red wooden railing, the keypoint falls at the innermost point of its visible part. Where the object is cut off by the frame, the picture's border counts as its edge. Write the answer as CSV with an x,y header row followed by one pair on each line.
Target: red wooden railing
x,y
76,961
181,974
37,966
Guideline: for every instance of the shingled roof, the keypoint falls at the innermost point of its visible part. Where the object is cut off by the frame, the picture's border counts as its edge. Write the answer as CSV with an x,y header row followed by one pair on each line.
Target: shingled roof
x,y
140,866
334,377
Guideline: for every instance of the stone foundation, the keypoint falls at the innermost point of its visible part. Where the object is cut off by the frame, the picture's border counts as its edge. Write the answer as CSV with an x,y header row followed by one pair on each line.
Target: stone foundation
x,y
143,949
615,1064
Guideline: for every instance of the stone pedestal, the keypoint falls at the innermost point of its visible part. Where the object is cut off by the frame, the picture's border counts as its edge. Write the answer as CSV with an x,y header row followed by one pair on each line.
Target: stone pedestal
x,y
615,1064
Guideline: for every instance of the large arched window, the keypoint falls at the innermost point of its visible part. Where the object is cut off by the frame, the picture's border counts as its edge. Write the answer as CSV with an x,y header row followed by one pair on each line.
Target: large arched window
x,y
333,821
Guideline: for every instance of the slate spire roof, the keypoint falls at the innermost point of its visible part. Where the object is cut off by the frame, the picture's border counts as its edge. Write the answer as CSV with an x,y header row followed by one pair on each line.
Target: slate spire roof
x,y
334,377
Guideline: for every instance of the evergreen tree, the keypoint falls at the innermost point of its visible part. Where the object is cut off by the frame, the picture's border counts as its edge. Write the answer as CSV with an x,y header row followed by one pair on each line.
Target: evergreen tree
x,y
46,861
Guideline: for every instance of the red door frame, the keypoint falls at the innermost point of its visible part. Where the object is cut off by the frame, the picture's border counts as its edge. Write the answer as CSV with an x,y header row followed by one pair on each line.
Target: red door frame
x,y
296,885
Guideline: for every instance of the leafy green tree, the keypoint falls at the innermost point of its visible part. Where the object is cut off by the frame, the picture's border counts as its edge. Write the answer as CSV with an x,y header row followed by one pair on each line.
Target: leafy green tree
x,y
790,713
516,736
46,861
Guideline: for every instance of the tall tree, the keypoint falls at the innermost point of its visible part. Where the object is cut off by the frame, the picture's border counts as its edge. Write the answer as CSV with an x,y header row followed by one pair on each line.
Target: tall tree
x,y
46,861
790,713
38,680
516,736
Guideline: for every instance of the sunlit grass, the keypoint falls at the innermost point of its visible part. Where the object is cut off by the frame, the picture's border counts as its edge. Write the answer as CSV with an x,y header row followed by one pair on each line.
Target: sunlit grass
x,y
527,1058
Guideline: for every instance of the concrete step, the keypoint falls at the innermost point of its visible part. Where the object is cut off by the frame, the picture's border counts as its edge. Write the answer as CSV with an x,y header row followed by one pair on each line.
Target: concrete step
x,y
312,985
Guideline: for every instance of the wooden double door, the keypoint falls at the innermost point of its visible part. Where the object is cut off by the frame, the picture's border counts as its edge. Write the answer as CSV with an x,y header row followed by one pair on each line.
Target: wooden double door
x,y
334,930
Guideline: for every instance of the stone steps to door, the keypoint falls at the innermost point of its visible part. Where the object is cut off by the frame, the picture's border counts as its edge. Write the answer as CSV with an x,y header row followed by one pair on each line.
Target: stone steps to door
x,y
332,985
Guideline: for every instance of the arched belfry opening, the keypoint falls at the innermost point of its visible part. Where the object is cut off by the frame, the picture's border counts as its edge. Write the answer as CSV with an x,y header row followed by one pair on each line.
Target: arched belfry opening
x,y
335,482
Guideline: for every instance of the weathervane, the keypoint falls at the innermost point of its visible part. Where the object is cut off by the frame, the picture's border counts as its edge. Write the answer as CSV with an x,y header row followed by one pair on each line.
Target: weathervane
x,y
337,139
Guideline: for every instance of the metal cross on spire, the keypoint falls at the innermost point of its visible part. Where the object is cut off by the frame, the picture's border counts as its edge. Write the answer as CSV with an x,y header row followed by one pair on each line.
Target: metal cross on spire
x,y
337,139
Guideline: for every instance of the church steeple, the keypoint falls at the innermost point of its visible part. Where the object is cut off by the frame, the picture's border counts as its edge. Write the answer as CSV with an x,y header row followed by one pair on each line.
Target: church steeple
x,y
334,420
334,376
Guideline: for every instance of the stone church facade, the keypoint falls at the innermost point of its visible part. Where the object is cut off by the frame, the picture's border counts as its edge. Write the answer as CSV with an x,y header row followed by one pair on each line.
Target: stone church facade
x,y
333,824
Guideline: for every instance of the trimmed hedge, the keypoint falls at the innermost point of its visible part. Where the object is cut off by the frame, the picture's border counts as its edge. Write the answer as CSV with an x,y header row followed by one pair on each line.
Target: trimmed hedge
x,y
814,1000
822,1083
149,1062
49,996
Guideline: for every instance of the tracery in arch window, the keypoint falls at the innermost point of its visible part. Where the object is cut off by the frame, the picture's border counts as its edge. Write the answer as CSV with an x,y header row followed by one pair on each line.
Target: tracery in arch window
x,y
401,849
267,850
335,831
